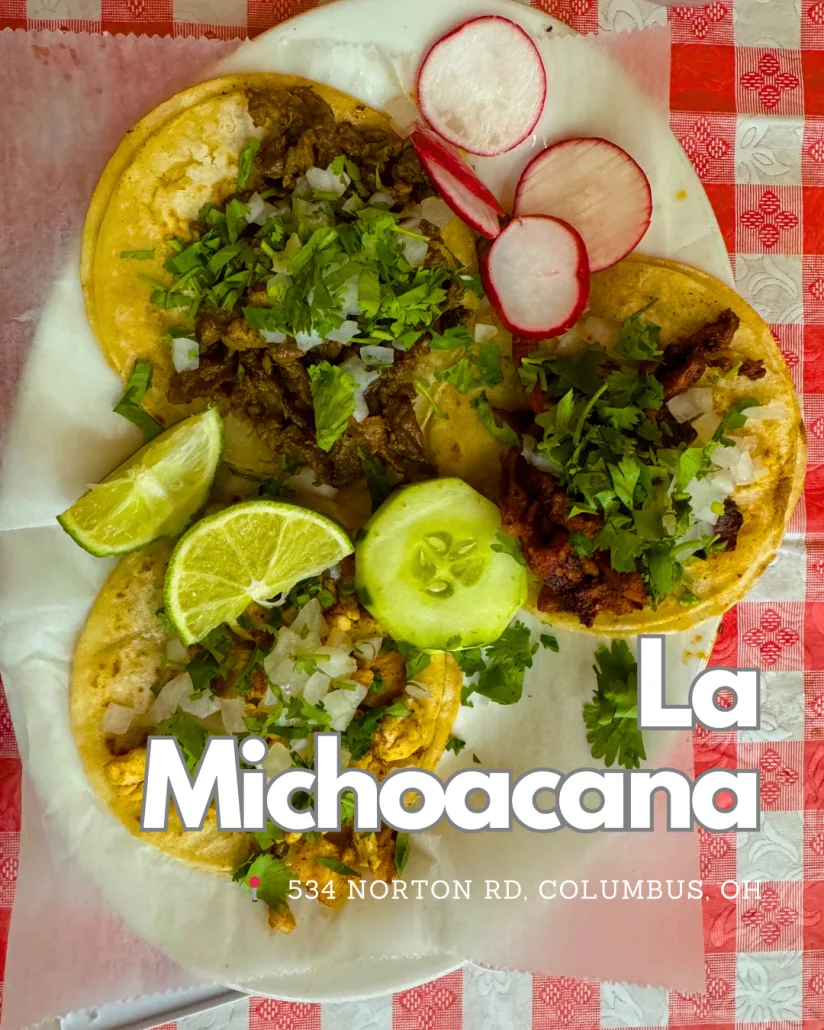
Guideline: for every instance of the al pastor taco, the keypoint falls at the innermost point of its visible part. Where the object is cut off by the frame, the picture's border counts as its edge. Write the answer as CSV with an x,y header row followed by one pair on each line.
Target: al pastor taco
x,y
317,662
648,460
271,246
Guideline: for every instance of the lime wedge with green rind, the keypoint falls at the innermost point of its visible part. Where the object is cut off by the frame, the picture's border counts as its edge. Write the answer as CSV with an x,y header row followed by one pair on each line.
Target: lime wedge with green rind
x,y
249,552
153,494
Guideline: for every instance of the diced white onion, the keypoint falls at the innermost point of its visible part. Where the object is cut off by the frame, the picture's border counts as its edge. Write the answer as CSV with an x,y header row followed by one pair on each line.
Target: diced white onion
x,y
372,354
202,707
414,250
317,687
284,675
277,760
310,626
287,644
185,354
434,210
117,719
306,341
306,480
345,757
361,410
334,661
712,489
176,650
260,211
368,648
598,330
272,337
381,199
696,401
269,701
771,412
302,190
232,712
344,333
414,689
737,462
535,458
705,425
412,224
363,377
167,701
484,332
352,204
326,181
342,705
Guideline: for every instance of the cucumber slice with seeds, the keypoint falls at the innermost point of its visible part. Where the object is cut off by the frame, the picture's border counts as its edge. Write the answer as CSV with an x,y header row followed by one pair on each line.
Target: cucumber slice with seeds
x,y
427,571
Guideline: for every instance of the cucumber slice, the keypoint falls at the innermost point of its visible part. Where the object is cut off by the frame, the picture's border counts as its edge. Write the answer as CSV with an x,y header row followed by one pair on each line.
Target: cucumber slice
x,y
427,571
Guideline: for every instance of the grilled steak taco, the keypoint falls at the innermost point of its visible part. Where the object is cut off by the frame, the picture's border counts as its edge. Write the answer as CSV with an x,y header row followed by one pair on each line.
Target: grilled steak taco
x,y
272,246
318,662
648,461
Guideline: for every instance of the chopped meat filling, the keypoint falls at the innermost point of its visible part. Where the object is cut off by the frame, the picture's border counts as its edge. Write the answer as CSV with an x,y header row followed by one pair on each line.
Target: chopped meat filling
x,y
686,360
534,509
729,524
269,383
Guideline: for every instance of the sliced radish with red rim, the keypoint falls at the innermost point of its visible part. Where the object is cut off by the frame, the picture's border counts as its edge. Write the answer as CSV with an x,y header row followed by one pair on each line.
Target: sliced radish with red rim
x,y
596,187
536,276
431,149
465,202
483,86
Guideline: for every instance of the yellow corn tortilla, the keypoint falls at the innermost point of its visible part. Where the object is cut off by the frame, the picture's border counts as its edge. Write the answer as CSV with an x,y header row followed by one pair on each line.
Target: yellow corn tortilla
x,y
685,299
120,655
181,155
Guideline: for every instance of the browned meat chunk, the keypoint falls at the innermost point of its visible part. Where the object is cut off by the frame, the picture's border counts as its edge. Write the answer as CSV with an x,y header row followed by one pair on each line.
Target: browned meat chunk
x,y
293,371
686,360
752,369
288,111
214,379
535,509
729,524
239,335
211,325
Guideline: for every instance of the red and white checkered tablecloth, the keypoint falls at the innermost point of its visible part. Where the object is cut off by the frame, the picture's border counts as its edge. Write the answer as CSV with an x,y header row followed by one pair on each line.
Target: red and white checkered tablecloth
x,y
747,103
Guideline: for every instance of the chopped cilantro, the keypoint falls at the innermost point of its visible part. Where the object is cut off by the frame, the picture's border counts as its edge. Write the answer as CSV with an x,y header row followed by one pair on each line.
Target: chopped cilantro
x,y
274,876
500,667
475,759
499,430
189,733
549,642
202,669
129,404
271,835
455,745
302,593
416,660
377,480
357,738
333,398
612,716
422,387
508,545
402,847
337,866
245,161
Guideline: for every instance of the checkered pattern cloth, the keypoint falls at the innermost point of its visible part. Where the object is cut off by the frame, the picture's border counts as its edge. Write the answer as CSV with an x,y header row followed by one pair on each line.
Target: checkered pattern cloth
x,y
747,104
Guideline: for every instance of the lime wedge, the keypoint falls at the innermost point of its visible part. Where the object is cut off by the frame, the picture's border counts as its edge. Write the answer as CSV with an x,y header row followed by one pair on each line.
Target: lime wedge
x,y
155,493
249,552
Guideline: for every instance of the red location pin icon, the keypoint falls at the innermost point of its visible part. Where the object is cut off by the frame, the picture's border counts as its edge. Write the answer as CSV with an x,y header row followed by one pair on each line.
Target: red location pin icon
x,y
254,883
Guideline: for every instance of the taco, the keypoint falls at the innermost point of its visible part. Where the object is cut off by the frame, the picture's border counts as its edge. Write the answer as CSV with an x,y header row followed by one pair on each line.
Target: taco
x,y
272,246
131,677
648,461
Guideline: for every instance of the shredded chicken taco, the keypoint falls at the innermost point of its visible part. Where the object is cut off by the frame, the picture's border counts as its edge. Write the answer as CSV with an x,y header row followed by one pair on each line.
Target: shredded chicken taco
x,y
271,246
648,460
317,662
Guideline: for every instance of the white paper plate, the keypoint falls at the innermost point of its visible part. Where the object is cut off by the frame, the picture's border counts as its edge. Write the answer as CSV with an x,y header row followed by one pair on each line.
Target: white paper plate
x,y
365,47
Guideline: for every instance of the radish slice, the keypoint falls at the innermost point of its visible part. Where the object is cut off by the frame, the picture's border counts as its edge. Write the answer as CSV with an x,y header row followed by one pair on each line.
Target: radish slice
x,y
465,202
431,149
483,86
537,276
596,187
